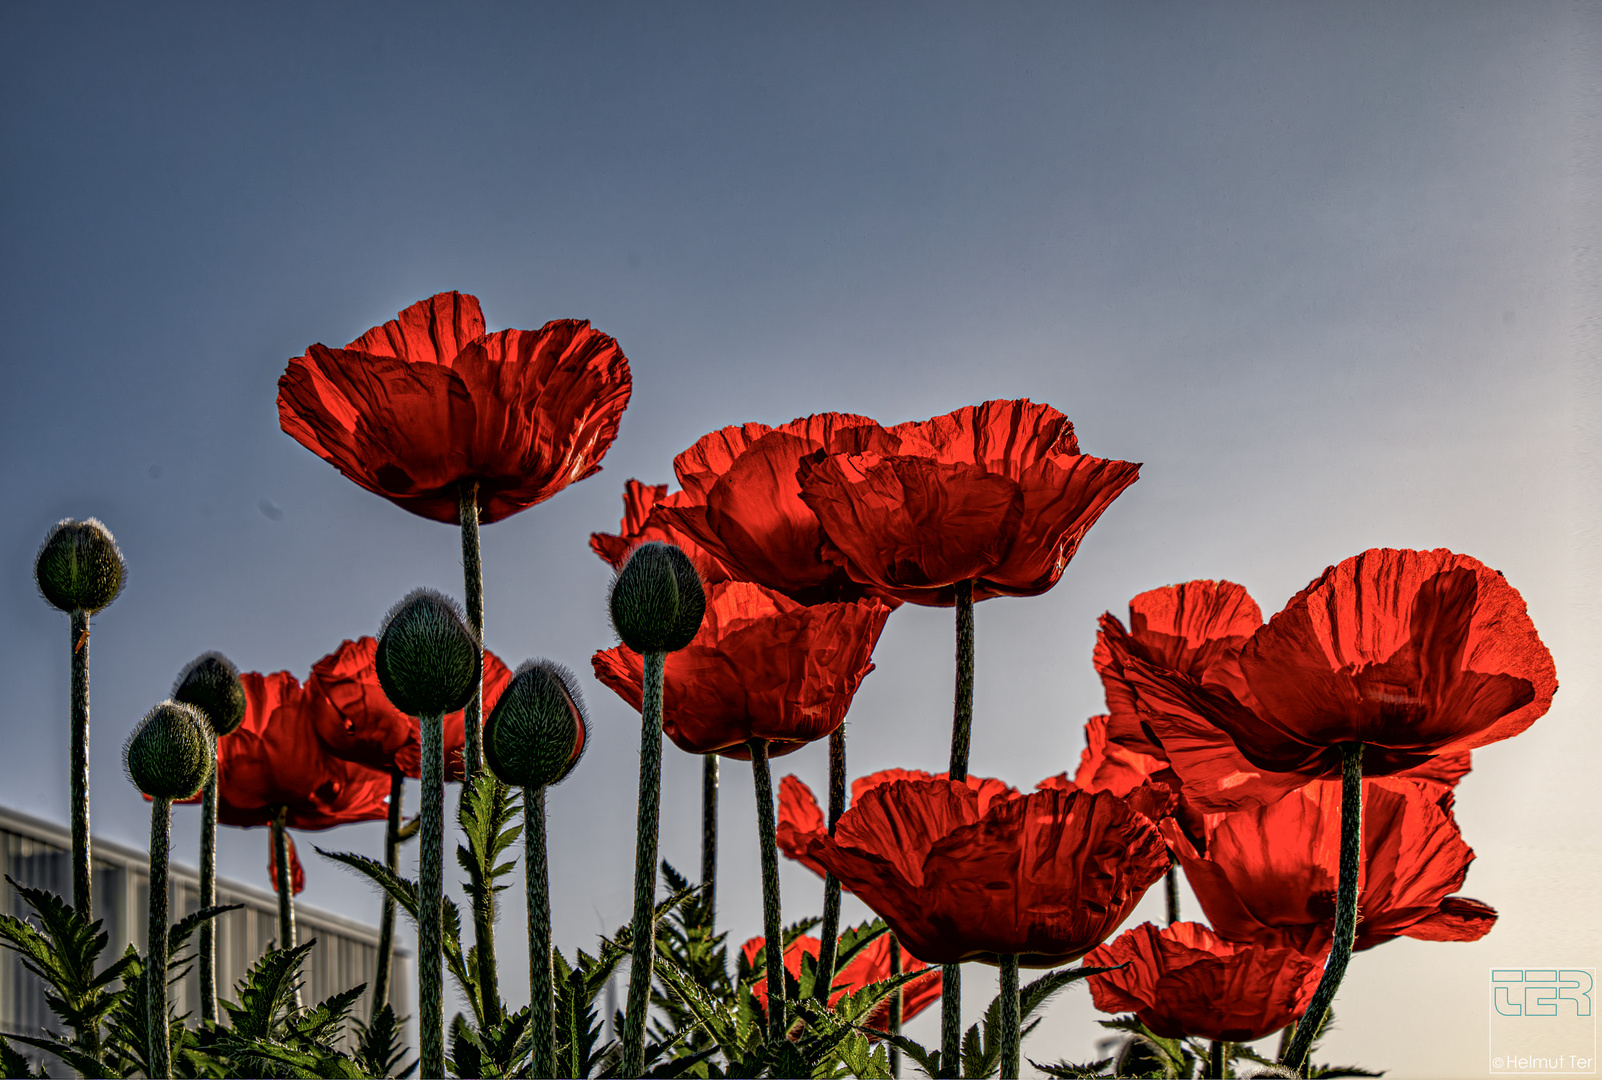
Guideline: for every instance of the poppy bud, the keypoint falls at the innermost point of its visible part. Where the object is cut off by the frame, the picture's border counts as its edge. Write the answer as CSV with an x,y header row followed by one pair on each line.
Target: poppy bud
x,y
657,599
428,661
79,567
538,729
211,684
169,754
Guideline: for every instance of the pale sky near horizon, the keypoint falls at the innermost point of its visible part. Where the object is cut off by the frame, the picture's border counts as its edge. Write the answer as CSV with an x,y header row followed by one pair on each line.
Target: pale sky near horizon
x,y
1326,270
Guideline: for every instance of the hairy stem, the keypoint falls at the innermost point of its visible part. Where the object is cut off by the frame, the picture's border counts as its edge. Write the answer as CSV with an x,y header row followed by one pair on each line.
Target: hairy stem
x,y
962,711
386,918
208,895
768,840
542,1007
709,837
473,590
950,1019
961,736
896,999
1215,1059
1171,891
284,884
830,930
1340,952
1010,1037
82,879
431,903
643,957
489,982
156,951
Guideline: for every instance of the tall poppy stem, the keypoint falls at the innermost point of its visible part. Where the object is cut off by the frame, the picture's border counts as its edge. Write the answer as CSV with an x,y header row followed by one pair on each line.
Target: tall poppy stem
x,y
1171,891
82,879
709,837
1215,1060
386,918
156,936
1340,952
961,736
489,985
1010,1035
896,999
473,590
830,931
643,958
284,884
767,835
208,895
431,902
542,1006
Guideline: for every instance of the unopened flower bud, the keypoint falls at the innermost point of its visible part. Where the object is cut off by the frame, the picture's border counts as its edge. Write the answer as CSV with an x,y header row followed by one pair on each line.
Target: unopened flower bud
x,y
428,660
79,567
657,599
211,684
537,732
170,754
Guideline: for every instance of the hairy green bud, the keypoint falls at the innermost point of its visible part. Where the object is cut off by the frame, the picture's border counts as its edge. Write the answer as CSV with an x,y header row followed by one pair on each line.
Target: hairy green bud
x,y
211,684
79,567
428,659
539,729
657,599
170,754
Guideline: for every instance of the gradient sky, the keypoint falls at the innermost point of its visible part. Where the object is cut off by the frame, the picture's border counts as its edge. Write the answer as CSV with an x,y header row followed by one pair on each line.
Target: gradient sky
x,y
1327,271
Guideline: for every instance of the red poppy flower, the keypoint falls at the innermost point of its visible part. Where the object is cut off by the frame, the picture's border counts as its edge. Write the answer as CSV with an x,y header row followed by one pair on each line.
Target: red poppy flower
x,y
355,721
1269,874
997,494
1415,654
800,819
1156,801
297,872
1185,980
275,760
741,504
637,527
869,966
413,408
1046,876
761,667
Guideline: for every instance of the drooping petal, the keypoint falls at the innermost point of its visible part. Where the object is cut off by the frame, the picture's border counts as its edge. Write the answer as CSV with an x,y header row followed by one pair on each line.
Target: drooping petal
x,y
297,872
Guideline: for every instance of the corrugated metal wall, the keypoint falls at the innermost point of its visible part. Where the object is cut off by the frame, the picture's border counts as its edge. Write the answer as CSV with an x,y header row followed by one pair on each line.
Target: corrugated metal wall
x,y
35,854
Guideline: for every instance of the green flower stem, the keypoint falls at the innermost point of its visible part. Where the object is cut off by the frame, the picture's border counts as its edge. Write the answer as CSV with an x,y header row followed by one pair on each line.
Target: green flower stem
x,y
896,999
286,887
1010,1036
709,836
473,589
962,713
542,1006
431,903
1340,952
830,931
156,947
643,958
386,919
208,896
1215,1060
82,880
489,982
768,838
1171,891
961,736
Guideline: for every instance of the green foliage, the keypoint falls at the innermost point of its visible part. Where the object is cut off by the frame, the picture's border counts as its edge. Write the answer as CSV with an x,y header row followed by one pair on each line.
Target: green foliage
x,y
486,812
378,1047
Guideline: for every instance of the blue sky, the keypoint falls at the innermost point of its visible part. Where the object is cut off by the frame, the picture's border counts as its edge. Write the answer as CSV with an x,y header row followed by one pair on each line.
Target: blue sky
x,y
1321,268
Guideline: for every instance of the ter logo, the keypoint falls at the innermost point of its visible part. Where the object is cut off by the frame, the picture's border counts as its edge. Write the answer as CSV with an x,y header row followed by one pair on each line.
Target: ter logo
x,y
1541,992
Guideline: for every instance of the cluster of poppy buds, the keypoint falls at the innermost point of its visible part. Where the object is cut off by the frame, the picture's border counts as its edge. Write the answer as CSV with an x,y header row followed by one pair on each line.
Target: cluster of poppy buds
x,y
1299,772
